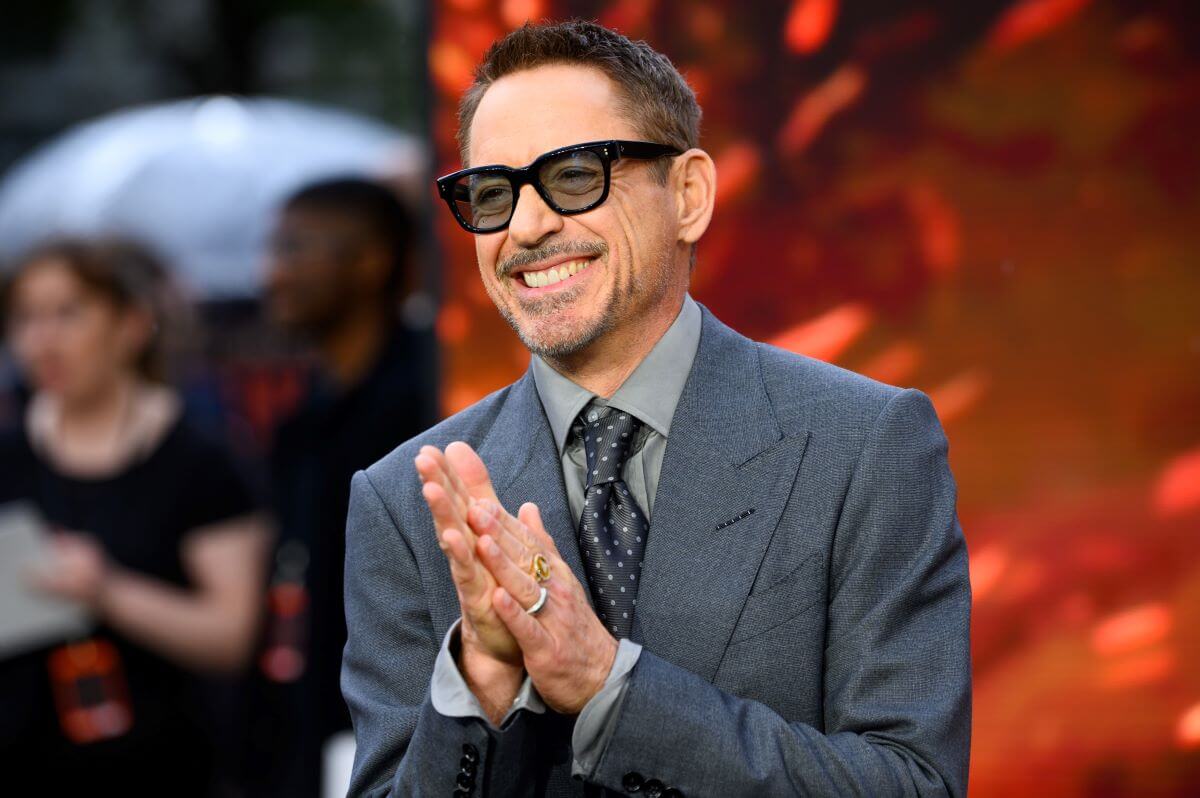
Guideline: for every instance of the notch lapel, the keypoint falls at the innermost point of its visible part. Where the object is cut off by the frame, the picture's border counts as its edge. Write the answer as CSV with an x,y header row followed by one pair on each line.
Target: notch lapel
x,y
522,458
726,456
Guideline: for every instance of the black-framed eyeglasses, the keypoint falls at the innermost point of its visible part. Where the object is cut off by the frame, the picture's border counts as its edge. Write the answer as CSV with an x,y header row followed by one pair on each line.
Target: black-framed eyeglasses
x,y
570,180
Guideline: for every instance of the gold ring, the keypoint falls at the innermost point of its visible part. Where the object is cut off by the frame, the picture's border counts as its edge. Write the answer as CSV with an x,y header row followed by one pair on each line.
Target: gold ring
x,y
539,568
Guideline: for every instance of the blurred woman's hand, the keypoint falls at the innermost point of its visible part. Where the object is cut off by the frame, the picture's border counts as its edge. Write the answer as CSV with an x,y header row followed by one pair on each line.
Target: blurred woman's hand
x,y
77,569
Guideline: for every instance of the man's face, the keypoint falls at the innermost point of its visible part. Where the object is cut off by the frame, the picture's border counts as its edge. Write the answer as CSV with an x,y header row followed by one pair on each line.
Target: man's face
x,y
622,252
311,269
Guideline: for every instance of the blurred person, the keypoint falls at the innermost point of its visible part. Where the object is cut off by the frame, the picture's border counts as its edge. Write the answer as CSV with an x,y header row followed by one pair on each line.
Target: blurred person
x,y
156,535
339,260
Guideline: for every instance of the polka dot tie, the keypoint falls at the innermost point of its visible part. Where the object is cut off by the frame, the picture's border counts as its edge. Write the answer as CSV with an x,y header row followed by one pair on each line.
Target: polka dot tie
x,y
613,529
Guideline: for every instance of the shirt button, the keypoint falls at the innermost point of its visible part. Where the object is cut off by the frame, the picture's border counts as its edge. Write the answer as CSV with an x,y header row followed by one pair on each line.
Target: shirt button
x,y
631,782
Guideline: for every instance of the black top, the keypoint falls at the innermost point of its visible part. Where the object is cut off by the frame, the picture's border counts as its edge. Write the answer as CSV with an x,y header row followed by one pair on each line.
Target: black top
x,y
141,517
334,433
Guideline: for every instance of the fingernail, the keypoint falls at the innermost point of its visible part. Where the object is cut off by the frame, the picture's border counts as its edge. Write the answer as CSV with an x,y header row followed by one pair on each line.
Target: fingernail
x,y
492,548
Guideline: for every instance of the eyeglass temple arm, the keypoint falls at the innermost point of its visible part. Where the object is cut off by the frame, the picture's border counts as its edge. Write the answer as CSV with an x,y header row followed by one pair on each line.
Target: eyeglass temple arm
x,y
644,149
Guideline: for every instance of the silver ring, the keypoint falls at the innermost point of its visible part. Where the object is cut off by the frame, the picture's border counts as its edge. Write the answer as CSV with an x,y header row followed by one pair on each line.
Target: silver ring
x,y
541,601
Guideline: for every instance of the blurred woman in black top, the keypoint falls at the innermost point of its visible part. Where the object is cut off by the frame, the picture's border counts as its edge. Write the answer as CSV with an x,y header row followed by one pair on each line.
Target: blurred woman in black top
x,y
156,535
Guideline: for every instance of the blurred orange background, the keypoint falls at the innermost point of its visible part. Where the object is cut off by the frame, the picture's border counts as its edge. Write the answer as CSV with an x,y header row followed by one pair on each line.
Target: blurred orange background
x,y
995,202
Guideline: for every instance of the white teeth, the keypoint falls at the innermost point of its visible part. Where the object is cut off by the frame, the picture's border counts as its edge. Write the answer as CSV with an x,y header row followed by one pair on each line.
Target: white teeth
x,y
555,274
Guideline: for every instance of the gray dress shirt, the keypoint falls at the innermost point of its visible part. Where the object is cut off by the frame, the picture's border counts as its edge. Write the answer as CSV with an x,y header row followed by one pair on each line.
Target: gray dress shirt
x,y
650,393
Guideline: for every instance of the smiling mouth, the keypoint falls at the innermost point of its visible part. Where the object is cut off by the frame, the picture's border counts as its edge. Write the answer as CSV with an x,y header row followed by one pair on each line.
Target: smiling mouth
x,y
554,274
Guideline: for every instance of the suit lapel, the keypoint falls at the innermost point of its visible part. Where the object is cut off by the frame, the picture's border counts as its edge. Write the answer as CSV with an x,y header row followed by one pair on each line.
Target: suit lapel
x,y
726,475
523,460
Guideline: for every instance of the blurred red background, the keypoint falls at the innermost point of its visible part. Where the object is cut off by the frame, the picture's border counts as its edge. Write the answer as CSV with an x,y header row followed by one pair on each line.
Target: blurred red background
x,y
995,202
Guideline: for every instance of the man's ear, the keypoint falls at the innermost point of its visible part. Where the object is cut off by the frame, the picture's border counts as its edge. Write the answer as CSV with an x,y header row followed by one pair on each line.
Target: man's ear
x,y
694,180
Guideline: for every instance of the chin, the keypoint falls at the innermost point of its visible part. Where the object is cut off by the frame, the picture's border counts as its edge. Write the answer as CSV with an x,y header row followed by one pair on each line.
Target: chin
x,y
45,381
552,338
282,315
61,392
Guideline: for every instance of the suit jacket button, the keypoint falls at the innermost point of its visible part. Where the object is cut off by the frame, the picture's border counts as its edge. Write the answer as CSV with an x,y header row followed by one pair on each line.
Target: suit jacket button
x,y
470,753
467,765
672,793
631,782
654,788
465,779
461,793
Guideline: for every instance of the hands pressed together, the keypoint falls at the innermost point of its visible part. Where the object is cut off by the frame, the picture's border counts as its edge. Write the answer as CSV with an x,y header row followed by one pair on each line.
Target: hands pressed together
x,y
564,647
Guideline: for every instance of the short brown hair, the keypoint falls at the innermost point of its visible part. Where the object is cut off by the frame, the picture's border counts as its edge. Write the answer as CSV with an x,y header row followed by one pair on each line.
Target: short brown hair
x,y
124,273
654,95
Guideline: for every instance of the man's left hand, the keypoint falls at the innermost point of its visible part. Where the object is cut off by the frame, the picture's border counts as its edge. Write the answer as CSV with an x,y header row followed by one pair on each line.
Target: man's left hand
x,y
568,653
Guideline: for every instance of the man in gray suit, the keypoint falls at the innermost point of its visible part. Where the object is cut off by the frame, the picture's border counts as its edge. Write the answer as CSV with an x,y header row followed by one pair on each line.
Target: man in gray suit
x,y
734,571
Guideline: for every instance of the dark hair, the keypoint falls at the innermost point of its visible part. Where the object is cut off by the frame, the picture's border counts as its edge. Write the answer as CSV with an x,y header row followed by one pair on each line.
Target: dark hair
x,y
376,206
660,103
124,273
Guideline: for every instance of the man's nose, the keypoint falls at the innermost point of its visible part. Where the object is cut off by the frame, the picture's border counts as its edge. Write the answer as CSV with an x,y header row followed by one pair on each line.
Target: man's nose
x,y
532,219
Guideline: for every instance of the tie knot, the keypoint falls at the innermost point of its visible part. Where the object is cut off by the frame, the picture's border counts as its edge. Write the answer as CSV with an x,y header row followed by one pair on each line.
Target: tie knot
x,y
606,441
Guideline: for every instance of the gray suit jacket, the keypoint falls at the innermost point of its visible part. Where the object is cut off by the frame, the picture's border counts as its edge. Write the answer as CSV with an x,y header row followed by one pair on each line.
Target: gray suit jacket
x,y
804,605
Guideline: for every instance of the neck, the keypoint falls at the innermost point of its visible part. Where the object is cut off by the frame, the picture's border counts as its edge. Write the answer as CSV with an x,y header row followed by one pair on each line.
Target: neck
x,y
102,433
99,413
349,349
605,365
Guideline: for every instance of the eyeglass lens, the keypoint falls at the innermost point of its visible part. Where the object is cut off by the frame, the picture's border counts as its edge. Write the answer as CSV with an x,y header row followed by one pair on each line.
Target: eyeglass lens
x,y
573,181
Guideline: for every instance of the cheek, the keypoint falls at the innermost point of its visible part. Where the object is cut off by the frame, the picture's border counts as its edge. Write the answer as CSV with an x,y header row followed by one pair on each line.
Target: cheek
x,y
638,216
27,346
93,343
613,224
487,253
306,287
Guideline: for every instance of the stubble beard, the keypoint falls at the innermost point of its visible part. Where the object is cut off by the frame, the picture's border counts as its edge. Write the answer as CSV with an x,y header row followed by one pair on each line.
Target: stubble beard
x,y
541,327
542,332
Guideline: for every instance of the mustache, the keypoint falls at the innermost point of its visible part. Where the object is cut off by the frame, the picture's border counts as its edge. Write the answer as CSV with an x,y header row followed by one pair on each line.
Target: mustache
x,y
527,257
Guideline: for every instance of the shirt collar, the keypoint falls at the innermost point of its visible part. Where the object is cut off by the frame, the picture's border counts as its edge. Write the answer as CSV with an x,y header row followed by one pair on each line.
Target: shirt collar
x,y
651,392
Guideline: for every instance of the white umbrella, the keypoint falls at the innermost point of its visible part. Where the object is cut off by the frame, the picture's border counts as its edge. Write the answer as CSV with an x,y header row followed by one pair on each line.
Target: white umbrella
x,y
197,179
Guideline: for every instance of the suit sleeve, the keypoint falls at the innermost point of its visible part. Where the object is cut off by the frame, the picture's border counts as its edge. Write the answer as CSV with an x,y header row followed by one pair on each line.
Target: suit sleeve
x,y
405,747
897,670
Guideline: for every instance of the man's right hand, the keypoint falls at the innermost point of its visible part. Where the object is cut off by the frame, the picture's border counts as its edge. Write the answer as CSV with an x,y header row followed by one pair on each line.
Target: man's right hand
x,y
490,659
